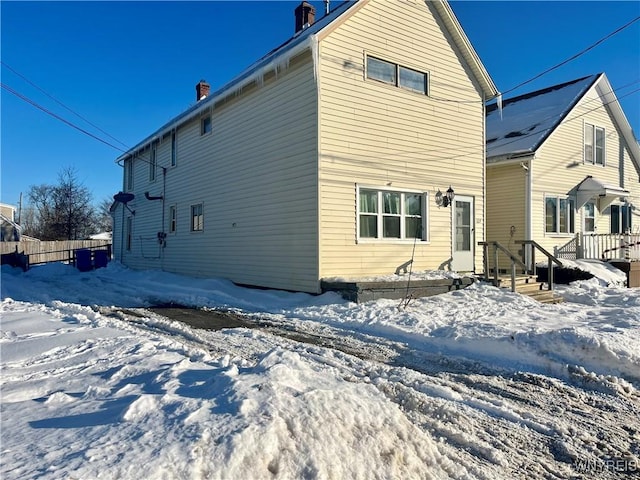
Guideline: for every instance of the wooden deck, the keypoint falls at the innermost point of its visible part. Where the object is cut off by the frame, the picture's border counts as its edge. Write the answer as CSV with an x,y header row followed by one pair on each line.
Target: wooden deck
x,y
364,291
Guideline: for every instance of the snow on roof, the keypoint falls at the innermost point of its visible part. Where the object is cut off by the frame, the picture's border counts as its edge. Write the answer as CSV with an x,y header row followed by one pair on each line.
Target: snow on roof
x,y
527,120
306,39
102,236
279,56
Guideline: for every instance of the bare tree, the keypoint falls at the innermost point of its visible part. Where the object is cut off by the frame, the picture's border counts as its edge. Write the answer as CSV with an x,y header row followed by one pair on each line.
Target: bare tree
x,y
63,211
42,209
104,221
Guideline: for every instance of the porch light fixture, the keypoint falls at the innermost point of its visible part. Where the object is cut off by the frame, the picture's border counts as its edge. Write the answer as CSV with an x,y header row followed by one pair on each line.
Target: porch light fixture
x,y
444,200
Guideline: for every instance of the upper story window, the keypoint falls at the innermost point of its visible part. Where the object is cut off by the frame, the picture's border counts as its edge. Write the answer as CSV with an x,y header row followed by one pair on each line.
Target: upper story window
x,y
396,75
593,144
205,125
197,218
559,215
173,149
128,172
153,163
391,215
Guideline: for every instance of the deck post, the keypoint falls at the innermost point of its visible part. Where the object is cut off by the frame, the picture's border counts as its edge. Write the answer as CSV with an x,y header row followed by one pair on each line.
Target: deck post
x,y
495,265
550,275
485,259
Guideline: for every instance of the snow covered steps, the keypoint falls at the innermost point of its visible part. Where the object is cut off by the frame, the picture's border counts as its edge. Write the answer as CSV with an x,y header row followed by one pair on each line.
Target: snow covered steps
x,y
530,286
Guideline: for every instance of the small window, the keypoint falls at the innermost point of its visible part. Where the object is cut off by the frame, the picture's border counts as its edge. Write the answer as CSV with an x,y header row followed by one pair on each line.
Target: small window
x,y
205,125
197,218
153,164
413,80
380,70
589,217
128,171
172,219
129,233
594,148
173,149
391,215
559,215
396,75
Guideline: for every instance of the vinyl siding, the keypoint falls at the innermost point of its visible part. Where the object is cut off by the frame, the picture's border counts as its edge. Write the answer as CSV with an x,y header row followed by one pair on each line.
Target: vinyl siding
x,y
378,135
559,167
506,200
256,176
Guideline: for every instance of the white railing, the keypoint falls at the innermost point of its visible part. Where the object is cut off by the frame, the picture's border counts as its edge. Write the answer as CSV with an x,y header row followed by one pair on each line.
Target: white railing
x,y
609,246
568,251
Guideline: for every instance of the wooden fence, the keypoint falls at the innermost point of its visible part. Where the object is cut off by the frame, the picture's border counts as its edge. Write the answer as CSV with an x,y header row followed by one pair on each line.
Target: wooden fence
x,y
59,251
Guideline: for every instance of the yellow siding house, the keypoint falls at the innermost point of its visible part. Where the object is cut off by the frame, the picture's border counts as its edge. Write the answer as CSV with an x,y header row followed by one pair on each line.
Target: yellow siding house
x,y
563,169
329,157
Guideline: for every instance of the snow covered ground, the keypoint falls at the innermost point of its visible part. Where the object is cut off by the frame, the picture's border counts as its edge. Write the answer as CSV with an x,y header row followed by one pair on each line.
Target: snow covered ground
x,y
478,383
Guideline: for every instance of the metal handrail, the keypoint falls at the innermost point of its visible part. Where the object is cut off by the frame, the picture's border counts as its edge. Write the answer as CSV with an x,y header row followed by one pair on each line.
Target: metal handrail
x,y
514,260
550,259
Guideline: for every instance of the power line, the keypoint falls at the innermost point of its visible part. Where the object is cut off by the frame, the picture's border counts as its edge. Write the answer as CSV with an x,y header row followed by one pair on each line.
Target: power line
x,y
618,30
71,124
57,117
62,104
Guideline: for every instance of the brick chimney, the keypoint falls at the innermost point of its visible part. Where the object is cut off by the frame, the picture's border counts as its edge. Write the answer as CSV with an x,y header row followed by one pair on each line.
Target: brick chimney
x,y
202,90
305,14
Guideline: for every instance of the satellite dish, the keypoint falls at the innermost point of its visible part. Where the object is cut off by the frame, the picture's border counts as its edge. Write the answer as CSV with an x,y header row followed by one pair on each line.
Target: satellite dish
x,y
123,197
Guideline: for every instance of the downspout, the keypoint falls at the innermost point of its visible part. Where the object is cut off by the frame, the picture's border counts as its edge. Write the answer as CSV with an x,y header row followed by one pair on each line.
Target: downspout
x,y
528,202
164,196
484,182
122,237
315,55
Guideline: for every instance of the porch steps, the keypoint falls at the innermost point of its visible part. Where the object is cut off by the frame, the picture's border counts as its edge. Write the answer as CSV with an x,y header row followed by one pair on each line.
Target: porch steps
x,y
530,286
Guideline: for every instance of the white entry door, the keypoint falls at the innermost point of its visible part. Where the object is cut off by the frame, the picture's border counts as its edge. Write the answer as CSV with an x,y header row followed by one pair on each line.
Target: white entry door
x,y
463,234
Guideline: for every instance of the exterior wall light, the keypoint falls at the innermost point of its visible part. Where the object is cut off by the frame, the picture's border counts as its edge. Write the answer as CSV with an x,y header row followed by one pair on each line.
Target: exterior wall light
x,y
444,200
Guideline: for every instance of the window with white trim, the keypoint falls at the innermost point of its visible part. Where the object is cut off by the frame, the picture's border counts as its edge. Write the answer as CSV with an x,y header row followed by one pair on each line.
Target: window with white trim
x,y
559,215
205,125
129,234
385,214
620,218
589,211
128,172
197,218
593,144
173,149
153,163
397,75
173,224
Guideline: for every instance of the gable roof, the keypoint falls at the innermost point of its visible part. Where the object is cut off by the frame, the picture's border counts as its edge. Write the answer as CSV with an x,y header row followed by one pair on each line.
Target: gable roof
x,y
307,40
528,120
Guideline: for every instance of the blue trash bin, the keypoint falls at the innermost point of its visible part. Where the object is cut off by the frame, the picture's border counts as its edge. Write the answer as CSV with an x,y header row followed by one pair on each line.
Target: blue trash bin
x,y
100,258
83,260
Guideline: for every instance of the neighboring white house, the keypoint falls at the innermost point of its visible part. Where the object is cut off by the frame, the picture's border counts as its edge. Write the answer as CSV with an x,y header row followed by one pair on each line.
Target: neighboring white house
x,y
563,168
10,231
328,157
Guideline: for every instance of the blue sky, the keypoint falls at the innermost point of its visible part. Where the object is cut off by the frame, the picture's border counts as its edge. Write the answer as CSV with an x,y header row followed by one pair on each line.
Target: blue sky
x,y
129,67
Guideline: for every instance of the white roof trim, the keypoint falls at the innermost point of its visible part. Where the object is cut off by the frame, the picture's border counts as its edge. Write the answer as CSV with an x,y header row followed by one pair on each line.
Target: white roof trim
x,y
591,188
603,87
307,39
